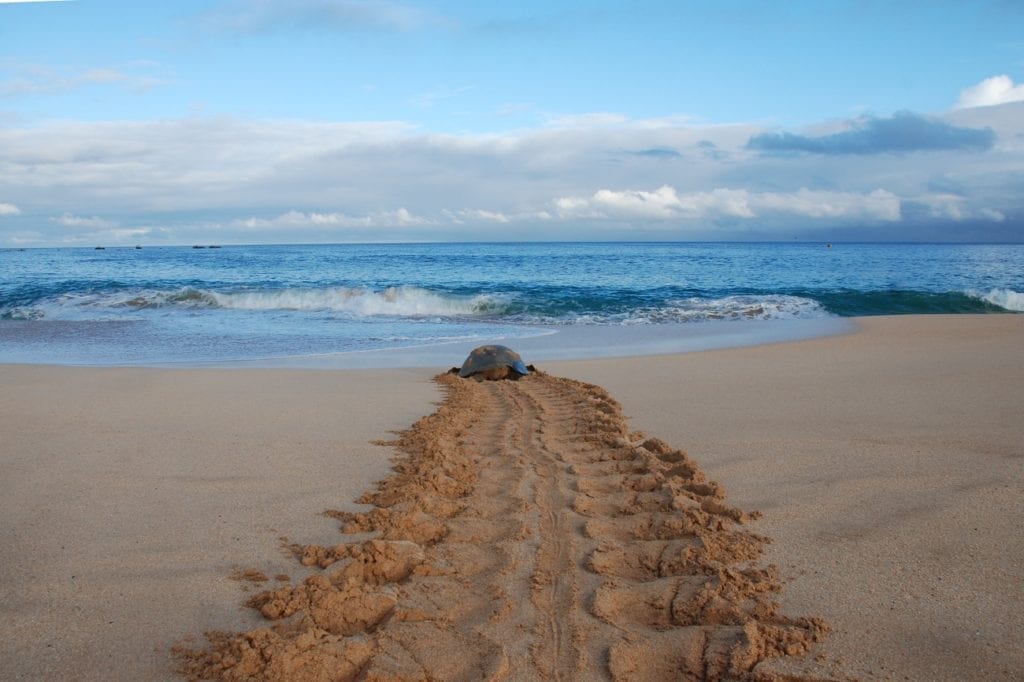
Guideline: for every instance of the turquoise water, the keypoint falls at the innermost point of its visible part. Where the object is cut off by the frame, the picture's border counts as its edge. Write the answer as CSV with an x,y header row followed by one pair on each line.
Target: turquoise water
x,y
245,303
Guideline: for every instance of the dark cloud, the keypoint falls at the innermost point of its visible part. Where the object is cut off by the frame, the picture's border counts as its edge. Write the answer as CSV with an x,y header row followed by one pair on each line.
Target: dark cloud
x,y
903,132
658,153
711,150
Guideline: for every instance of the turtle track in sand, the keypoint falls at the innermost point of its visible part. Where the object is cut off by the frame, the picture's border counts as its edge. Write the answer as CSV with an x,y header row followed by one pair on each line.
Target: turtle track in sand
x,y
525,534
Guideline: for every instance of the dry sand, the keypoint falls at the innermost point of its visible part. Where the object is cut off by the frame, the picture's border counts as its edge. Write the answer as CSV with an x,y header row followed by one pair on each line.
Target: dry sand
x,y
888,464
525,533
129,498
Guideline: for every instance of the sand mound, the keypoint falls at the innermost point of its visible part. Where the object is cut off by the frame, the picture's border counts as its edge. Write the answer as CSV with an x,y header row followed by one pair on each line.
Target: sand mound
x,y
526,533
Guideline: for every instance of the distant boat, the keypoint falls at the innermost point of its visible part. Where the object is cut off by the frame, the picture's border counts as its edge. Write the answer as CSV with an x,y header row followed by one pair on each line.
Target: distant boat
x,y
198,246
137,246
101,248
214,246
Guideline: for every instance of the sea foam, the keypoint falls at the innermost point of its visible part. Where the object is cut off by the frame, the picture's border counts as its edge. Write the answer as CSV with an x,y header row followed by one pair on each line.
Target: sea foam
x,y
1004,298
692,309
401,301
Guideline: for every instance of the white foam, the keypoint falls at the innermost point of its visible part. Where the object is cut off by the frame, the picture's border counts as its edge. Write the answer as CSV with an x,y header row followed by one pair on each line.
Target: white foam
x,y
403,301
1007,299
770,307
695,309
21,314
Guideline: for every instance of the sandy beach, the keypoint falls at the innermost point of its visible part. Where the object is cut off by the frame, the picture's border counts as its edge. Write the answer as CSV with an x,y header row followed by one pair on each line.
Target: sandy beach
x,y
142,508
889,465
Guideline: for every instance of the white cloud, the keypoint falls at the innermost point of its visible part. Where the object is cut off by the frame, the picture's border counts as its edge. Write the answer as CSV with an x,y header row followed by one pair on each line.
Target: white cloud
x,y
991,91
661,203
462,216
8,209
123,233
292,219
476,216
946,206
665,203
878,204
722,201
993,215
69,220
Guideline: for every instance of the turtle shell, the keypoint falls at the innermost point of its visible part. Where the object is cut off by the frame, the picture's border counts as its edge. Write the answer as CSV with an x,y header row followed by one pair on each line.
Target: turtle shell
x,y
492,360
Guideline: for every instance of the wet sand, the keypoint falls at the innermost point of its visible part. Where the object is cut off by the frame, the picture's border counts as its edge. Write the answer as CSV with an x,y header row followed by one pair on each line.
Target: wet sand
x,y
887,464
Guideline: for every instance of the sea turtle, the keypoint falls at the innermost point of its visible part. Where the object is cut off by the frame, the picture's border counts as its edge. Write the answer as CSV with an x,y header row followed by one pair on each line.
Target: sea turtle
x,y
493,362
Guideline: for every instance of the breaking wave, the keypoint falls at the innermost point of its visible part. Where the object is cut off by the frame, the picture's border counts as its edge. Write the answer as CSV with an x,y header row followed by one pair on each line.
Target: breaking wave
x,y
401,301
690,309
397,301
539,305
1007,299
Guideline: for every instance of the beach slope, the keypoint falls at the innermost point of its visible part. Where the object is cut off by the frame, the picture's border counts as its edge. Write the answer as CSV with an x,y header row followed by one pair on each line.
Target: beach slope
x,y
887,464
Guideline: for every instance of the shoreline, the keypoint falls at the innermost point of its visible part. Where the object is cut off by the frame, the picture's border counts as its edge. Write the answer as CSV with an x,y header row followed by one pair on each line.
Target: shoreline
x,y
550,342
882,459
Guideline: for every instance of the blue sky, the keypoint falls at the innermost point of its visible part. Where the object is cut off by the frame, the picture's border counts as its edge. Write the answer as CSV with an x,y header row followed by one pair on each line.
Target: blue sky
x,y
340,120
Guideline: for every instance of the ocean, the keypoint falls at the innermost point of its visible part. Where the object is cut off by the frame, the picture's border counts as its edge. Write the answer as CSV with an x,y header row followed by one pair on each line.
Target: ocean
x,y
347,305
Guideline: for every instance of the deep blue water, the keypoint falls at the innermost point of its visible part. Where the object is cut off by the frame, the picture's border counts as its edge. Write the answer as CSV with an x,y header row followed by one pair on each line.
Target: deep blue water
x,y
179,304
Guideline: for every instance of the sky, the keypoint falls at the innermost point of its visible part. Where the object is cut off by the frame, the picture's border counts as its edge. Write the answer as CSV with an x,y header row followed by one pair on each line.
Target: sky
x,y
274,121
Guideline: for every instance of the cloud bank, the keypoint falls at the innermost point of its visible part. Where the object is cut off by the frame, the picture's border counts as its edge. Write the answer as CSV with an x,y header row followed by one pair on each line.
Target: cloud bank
x,y
230,180
666,203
